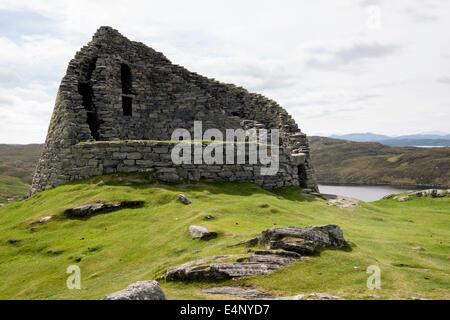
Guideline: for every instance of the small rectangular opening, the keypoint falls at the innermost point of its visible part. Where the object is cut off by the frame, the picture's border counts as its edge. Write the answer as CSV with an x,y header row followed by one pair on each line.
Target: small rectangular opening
x,y
127,105
302,176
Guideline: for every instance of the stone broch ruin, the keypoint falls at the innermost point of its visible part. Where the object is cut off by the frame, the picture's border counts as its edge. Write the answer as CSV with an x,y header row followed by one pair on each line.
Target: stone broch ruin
x,y
120,100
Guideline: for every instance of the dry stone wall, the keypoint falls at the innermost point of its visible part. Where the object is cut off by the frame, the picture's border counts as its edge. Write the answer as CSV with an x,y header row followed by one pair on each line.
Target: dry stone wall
x,y
116,90
98,158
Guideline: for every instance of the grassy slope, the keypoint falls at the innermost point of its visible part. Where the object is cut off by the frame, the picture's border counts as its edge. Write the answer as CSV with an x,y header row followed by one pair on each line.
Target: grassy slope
x,y
342,161
17,164
12,186
122,247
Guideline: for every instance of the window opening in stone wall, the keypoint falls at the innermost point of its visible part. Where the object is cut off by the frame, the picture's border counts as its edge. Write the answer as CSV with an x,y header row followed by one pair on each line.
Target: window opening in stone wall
x,y
87,94
127,105
125,75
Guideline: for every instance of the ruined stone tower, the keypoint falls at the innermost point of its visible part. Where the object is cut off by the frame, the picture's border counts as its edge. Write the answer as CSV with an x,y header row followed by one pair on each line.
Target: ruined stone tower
x,y
120,99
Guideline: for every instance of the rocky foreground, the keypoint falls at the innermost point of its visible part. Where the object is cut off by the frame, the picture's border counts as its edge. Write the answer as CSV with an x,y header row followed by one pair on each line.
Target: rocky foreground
x,y
283,246
434,193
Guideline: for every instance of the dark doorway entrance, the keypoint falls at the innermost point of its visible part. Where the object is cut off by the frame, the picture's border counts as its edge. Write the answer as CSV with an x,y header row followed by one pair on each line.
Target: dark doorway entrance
x,y
302,177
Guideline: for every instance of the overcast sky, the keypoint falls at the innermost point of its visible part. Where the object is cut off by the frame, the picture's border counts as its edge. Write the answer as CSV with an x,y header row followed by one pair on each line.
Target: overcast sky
x,y
337,66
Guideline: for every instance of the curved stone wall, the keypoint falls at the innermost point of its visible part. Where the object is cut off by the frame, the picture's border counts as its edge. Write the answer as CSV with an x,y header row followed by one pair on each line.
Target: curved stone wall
x,y
99,158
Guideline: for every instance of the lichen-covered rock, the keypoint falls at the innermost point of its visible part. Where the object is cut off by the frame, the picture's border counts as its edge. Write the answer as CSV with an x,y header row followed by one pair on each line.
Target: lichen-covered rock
x,y
272,259
183,199
142,290
179,272
221,271
403,199
199,232
257,265
303,239
295,245
294,242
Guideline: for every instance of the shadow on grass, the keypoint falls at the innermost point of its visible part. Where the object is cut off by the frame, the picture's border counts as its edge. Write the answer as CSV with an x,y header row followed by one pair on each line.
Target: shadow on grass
x,y
346,248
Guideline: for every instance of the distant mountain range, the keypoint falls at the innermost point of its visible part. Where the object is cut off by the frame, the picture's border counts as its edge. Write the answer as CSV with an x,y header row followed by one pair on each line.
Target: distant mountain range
x,y
425,139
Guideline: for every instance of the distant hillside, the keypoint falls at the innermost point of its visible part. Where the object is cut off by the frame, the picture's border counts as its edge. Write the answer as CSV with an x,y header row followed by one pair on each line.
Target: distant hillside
x,y
347,162
19,160
422,139
17,164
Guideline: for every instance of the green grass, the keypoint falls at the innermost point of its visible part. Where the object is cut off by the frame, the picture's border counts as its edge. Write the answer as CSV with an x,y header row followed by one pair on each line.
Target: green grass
x,y
116,249
11,187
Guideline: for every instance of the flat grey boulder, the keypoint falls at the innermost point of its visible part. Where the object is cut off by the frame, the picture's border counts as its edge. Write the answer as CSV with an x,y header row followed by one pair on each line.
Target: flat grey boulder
x,y
272,259
199,232
303,240
183,199
183,271
403,199
220,271
257,264
100,207
142,290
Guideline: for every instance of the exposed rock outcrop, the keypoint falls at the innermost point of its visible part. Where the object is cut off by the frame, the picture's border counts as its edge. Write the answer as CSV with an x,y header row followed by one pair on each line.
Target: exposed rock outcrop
x,y
435,193
340,201
303,240
142,290
199,232
100,207
294,242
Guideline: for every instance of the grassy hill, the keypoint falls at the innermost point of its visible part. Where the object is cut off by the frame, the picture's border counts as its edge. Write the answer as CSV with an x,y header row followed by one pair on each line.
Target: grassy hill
x,y
347,162
116,249
17,164
11,187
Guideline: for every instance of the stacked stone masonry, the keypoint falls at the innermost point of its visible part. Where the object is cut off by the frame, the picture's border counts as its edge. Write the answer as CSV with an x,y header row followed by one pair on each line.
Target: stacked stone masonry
x,y
121,93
